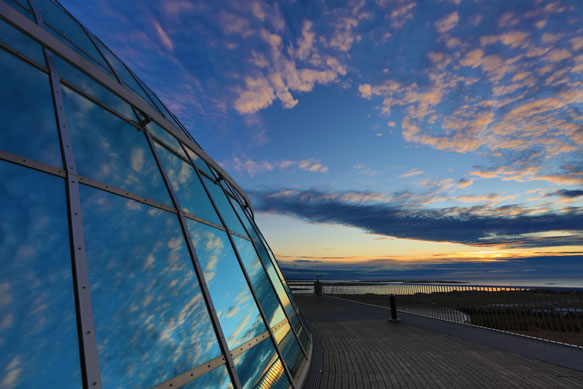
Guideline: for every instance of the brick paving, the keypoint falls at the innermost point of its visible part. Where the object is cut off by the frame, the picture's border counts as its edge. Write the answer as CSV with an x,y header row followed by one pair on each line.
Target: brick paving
x,y
369,352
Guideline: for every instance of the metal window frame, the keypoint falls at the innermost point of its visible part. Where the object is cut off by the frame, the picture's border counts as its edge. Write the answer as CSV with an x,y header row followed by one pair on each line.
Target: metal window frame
x,y
91,376
46,39
193,256
245,274
280,275
198,269
294,331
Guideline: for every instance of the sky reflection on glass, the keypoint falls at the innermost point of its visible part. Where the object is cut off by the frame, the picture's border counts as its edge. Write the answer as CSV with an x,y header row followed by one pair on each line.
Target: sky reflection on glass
x,y
150,317
76,38
259,281
187,187
27,114
253,365
224,207
93,88
237,312
198,161
38,334
21,43
165,137
112,151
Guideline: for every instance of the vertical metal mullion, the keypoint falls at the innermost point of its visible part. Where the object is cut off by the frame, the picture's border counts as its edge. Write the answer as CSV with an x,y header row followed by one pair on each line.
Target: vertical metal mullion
x,y
280,275
304,351
249,283
88,353
263,266
198,269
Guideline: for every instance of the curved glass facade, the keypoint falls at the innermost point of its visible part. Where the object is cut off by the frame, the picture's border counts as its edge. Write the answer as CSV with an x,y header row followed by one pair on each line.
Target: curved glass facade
x,y
128,257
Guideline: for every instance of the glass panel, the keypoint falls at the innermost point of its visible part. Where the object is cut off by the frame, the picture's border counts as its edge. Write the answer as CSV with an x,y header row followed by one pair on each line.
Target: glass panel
x,y
112,151
21,43
159,104
67,27
285,338
167,138
237,312
93,88
123,73
224,206
259,281
264,256
17,4
259,367
217,378
38,334
151,321
29,127
189,191
290,349
199,162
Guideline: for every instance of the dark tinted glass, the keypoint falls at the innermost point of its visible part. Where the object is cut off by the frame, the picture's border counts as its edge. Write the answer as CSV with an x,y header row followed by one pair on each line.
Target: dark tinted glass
x,y
93,88
259,367
150,317
217,378
224,206
290,349
112,151
187,187
165,137
237,312
69,31
29,127
21,43
38,335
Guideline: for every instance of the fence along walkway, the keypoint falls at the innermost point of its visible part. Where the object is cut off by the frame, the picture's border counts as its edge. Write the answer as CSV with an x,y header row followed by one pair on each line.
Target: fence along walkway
x,y
364,351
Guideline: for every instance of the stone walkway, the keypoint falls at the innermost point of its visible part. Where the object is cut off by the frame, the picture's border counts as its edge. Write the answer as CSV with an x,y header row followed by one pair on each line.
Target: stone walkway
x,y
362,350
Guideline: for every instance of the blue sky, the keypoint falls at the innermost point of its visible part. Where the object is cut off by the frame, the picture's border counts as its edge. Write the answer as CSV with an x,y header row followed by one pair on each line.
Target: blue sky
x,y
397,135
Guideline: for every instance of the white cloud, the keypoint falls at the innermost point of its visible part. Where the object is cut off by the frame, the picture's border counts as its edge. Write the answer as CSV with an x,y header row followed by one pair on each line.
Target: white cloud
x,y
447,23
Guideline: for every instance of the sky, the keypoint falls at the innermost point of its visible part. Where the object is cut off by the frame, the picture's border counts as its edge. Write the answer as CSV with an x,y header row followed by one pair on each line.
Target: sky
x,y
382,139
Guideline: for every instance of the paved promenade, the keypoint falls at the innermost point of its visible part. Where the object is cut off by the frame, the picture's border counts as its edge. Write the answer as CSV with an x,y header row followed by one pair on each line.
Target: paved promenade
x,y
360,349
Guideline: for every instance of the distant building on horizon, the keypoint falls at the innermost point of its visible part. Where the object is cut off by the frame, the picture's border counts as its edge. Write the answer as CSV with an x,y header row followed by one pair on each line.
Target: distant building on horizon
x,y
129,258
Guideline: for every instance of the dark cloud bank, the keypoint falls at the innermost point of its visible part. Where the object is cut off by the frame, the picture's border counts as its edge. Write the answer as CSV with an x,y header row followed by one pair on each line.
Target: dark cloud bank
x,y
466,226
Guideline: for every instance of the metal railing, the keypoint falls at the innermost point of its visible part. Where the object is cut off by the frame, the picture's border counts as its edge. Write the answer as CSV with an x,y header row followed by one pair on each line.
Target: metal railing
x,y
548,313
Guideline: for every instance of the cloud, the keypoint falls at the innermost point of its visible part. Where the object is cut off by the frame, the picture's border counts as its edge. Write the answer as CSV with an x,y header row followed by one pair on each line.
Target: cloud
x,y
569,193
400,15
244,164
257,94
533,173
312,165
251,167
507,225
164,38
447,23
411,173
343,36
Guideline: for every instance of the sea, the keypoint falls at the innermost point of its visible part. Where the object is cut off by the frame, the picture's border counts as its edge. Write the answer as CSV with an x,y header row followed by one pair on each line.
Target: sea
x,y
558,282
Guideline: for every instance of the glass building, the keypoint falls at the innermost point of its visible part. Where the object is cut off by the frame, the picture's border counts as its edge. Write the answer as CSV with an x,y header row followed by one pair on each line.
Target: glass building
x,y
128,257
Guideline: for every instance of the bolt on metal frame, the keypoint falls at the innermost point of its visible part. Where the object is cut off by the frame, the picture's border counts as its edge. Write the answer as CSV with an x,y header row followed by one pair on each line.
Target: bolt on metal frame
x,y
306,355
249,283
88,344
84,312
